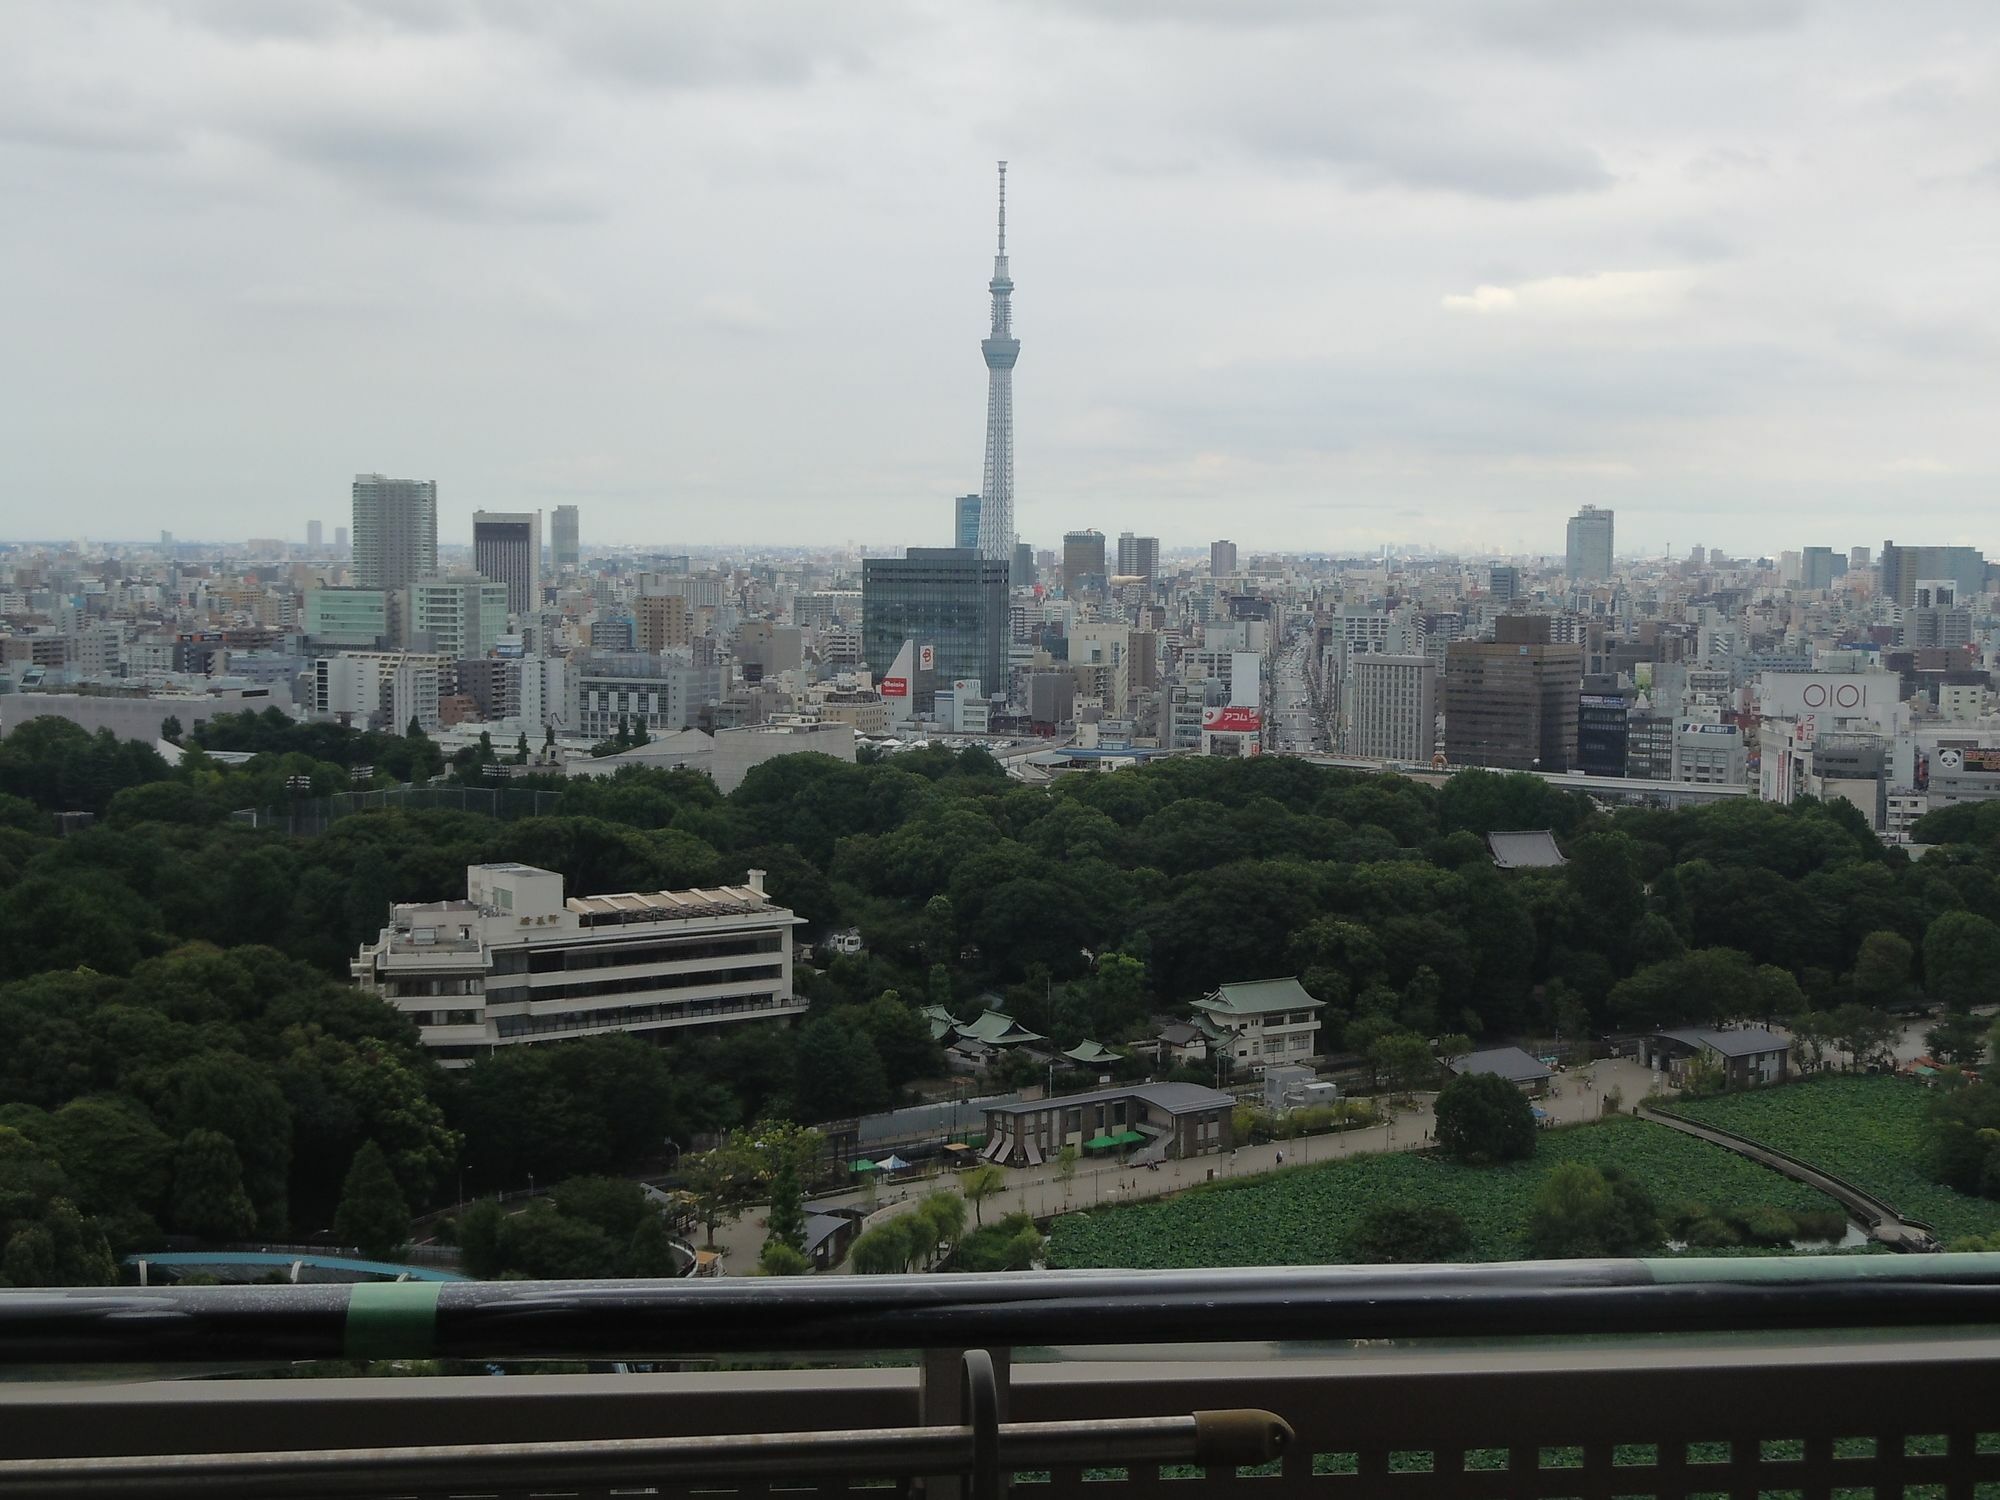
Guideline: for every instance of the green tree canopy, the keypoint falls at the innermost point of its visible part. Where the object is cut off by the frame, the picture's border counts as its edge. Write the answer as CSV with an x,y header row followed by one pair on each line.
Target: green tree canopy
x,y
1483,1118
372,1212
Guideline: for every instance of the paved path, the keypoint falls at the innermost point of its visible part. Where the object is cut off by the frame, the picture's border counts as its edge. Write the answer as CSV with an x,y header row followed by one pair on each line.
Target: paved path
x,y
1035,1190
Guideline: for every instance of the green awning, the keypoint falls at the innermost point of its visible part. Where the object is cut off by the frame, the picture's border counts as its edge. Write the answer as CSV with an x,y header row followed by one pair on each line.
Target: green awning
x,y
1100,1143
1127,1138
866,1166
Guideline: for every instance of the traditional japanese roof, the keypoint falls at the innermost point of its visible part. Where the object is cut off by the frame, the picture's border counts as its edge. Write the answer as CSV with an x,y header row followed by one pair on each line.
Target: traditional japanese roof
x,y
1526,850
1257,997
942,1022
1510,1063
1739,1041
1091,1052
998,1029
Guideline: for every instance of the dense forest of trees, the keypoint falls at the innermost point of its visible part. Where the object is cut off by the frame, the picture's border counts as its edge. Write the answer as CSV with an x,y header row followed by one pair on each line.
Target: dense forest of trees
x,y
181,1052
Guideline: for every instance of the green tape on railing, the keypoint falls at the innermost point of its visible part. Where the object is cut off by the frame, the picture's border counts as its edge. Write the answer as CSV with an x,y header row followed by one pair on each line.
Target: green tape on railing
x,y
1969,1266
392,1319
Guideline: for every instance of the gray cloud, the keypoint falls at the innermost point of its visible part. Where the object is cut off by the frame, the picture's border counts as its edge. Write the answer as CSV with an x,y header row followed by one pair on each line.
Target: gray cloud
x,y
718,271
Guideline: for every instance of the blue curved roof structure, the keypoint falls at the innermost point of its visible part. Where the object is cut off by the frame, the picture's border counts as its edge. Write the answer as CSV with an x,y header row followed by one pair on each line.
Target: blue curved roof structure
x,y
385,1269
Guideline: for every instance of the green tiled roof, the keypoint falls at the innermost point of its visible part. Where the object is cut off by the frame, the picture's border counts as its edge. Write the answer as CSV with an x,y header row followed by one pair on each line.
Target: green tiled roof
x,y
1257,997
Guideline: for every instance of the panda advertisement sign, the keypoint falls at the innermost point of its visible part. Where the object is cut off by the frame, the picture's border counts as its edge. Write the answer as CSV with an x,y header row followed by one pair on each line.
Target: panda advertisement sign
x,y
1829,696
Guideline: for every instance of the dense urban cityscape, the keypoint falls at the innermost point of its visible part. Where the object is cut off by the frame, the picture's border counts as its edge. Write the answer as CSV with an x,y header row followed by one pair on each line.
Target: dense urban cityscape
x,y
1467,1018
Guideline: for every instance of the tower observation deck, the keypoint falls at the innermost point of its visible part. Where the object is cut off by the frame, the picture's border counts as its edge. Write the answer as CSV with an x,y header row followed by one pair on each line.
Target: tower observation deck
x,y
1001,348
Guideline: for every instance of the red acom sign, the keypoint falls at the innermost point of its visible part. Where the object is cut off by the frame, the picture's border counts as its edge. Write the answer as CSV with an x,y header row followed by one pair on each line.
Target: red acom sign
x,y
895,687
1231,720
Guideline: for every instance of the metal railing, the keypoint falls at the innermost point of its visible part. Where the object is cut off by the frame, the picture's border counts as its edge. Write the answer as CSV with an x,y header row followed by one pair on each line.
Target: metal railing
x,y
1815,1376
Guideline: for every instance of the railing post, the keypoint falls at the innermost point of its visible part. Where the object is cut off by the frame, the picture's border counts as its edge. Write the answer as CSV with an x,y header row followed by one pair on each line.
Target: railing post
x,y
942,1401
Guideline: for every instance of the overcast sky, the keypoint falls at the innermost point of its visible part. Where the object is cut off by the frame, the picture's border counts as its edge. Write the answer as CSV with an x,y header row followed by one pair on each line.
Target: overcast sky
x,y
1311,275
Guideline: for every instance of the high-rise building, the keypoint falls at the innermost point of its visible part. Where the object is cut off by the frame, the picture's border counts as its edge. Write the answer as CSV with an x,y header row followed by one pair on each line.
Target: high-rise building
x,y
565,553
1589,544
1389,708
395,531
945,598
1222,559
315,534
340,538
1022,574
1902,567
965,522
1083,558
1819,566
1001,349
1504,583
1857,559
348,617
1511,702
507,547
1603,732
1138,556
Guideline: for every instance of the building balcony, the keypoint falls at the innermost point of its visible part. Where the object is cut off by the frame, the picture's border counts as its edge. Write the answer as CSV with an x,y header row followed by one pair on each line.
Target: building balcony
x,y
1869,1376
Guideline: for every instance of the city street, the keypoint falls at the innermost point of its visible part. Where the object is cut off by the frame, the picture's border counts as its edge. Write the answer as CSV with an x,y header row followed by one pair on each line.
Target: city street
x,y
1575,1097
1293,728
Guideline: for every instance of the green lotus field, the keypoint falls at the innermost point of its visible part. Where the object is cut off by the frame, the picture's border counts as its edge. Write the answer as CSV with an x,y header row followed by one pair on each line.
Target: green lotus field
x,y
1866,1129
1303,1216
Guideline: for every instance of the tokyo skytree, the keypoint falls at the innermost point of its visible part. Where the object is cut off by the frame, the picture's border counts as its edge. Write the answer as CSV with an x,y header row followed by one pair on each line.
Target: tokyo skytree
x,y
1001,348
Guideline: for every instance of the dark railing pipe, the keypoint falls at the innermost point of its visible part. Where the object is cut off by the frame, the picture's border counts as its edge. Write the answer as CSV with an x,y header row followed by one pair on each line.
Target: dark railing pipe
x,y
668,1319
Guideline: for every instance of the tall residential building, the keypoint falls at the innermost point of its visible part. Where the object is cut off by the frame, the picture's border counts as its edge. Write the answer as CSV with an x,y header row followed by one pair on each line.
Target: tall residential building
x,y
1001,349
1222,559
340,538
942,597
1390,708
1511,703
1589,544
315,534
1138,556
1083,558
1902,567
565,552
507,547
395,531
965,522
457,617
1819,566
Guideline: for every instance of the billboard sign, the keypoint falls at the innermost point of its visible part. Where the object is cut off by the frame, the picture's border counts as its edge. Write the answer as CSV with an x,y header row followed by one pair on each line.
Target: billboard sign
x,y
926,658
1834,695
895,687
1232,720
1979,762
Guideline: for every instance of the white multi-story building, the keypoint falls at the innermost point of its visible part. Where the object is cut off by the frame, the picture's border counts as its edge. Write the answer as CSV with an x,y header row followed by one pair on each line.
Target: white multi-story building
x,y
1263,1022
1389,708
385,689
516,963
457,617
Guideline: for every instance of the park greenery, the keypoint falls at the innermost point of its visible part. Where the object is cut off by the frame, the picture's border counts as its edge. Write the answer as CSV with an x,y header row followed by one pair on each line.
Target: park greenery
x,y
182,1053
1322,1212
1481,1117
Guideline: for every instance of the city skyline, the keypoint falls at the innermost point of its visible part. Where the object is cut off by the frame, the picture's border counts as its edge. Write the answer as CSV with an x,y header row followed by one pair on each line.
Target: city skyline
x,y
1630,268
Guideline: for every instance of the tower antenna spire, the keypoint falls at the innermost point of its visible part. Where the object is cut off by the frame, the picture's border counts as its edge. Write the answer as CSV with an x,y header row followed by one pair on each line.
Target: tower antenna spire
x,y
1001,349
